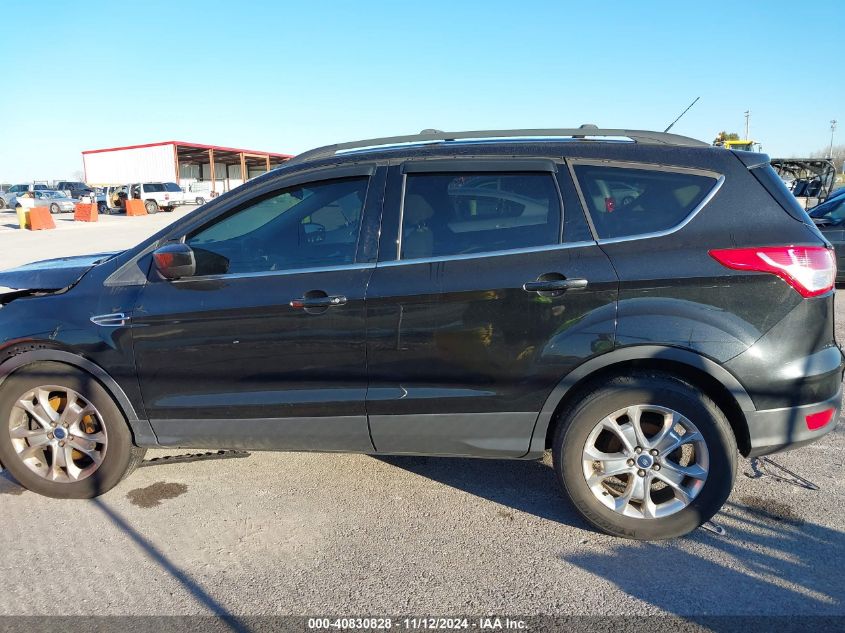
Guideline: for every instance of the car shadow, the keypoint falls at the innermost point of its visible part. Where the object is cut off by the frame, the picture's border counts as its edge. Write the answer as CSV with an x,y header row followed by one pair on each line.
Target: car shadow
x,y
771,560
529,486
8,485
771,563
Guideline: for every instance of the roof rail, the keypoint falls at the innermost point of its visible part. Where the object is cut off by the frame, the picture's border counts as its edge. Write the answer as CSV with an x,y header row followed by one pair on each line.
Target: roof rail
x,y
430,135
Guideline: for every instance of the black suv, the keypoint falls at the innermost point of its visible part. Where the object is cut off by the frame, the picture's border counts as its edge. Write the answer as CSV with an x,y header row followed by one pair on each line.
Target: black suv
x,y
74,188
645,308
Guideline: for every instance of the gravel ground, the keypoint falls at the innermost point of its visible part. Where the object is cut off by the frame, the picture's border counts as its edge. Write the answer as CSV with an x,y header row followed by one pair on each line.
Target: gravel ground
x,y
298,533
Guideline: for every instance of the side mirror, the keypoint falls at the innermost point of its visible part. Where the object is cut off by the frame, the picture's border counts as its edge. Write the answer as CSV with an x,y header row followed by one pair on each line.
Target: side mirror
x,y
175,261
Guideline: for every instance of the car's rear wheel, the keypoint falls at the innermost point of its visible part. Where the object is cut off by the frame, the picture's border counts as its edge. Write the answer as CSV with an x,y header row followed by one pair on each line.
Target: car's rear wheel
x,y
2,203
199,201
151,206
645,456
61,434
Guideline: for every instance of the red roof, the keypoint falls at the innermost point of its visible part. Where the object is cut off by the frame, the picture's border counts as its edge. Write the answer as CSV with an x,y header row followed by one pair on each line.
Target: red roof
x,y
193,145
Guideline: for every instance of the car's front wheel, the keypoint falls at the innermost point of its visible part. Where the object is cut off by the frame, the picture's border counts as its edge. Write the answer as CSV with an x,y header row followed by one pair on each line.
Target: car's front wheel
x,y
645,456
54,208
61,434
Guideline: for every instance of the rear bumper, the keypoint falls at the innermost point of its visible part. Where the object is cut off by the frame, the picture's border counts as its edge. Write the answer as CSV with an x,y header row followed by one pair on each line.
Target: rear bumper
x,y
774,430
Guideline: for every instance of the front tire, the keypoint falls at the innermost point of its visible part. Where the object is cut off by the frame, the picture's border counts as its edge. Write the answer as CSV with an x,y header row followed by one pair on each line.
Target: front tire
x,y
54,208
645,456
61,434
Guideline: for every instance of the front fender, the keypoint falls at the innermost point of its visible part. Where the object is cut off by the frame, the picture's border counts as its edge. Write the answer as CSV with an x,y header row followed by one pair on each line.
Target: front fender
x,y
141,429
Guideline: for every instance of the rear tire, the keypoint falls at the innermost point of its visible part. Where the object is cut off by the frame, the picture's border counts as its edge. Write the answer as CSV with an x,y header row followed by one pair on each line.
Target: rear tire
x,y
106,455
151,206
199,201
609,502
2,204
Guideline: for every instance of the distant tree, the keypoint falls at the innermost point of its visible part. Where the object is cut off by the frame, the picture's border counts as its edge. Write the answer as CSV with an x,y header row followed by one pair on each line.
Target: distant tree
x,y
78,175
725,136
837,156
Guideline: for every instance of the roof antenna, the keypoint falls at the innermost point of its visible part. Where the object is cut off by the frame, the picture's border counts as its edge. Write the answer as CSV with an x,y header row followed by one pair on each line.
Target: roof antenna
x,y
680,115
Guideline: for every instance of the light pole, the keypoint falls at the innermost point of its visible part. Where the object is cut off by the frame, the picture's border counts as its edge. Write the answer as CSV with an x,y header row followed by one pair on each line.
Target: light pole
x,y
747,116
832,130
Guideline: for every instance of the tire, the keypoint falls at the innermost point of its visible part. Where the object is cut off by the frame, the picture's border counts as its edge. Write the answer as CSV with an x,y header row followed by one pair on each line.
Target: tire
x,y
111,439
151,206
2,204
649,395
102,208
199,201
54,209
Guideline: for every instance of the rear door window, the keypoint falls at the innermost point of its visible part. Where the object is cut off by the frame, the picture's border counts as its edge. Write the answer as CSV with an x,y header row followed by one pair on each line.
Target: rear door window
x,y
459,213
624,201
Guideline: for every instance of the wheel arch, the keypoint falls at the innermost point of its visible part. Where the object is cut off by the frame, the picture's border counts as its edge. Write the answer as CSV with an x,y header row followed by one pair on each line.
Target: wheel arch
x,y
704,373
19,356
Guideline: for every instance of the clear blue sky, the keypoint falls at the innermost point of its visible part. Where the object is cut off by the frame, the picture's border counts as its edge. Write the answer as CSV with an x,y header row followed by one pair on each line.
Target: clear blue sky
x,y
286,76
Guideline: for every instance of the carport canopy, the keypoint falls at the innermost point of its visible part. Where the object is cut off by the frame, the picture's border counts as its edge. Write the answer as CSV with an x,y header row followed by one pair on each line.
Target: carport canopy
x,y
247,160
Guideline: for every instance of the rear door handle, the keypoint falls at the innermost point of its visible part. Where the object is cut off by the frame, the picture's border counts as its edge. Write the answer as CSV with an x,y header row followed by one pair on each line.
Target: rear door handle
x,y
318,302
555,285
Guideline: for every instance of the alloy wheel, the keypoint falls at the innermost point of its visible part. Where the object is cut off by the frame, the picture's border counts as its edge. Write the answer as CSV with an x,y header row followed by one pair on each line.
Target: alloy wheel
x,y
58,434
645,461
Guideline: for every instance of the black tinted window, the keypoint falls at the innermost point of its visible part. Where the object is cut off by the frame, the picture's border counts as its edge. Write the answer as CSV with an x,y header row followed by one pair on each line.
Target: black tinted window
x,y
303,227
462,213
171,186
624,201
153,187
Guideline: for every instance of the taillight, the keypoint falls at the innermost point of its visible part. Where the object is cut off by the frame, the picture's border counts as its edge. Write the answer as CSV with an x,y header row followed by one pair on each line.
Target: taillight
x,y
811,270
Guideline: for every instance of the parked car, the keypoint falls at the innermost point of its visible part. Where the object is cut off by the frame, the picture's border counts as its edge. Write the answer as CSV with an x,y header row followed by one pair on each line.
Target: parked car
x,y
830,218
837,193
438,295
9,198
159,195
57,201
74,189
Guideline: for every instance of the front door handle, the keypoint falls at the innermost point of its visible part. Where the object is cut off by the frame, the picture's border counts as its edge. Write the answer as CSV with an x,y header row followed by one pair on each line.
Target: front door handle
x,y
318,302
555,285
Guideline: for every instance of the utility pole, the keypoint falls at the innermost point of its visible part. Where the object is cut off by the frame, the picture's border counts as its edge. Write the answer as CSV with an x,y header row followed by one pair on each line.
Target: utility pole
x,y
832,130
747,117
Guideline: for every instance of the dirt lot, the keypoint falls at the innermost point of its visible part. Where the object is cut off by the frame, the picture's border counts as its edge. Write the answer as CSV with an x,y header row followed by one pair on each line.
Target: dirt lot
x,y
312,534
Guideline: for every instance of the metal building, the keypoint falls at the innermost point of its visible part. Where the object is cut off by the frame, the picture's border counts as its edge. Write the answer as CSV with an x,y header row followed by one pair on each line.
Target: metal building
x,y
189,164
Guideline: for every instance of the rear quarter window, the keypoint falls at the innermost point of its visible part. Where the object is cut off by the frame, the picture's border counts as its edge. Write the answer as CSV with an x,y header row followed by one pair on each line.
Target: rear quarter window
x,y
625,201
